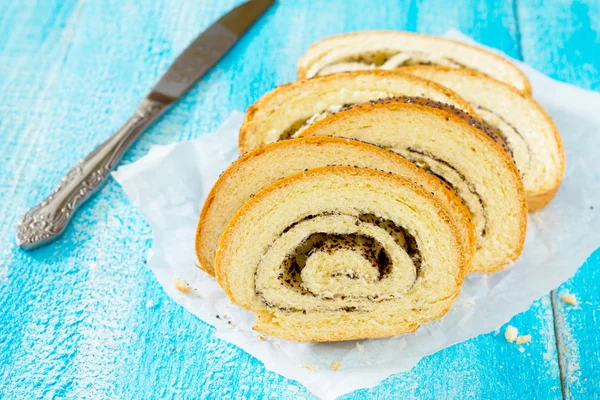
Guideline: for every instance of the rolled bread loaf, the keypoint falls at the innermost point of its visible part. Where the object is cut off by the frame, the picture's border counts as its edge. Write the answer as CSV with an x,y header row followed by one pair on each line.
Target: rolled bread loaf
x,y
392,49
459,150
527,129
340,253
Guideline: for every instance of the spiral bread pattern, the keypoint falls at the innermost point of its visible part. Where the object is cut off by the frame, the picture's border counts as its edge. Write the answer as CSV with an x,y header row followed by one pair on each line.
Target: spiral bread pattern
x,y
527,129
340,253
286,111
369,188
390,50
460,151
261,167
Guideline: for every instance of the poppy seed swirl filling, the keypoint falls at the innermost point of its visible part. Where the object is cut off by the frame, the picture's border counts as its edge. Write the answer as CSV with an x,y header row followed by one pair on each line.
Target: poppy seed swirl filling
x,y
360,259
386,59
516,145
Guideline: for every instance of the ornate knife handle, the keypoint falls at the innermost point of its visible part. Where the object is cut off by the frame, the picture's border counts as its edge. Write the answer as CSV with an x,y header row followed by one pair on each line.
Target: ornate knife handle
x,y
49,219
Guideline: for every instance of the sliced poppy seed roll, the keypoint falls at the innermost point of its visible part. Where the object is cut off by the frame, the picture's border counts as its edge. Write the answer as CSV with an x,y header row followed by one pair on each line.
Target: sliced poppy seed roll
x,y
527,129
261,167
459,150
389,50
340,253
286,111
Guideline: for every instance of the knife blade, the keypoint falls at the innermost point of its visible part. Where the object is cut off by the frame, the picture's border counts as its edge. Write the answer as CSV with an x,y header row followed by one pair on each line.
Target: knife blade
x,y
48,220
207,49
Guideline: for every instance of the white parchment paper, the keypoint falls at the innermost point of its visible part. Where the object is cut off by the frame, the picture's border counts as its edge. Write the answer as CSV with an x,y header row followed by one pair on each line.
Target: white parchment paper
x,y
170,184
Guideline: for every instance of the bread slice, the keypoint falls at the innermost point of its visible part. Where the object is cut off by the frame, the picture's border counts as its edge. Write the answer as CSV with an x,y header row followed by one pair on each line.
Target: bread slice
x,y
263,166
339,253
527,129
287,110
389,50
461,151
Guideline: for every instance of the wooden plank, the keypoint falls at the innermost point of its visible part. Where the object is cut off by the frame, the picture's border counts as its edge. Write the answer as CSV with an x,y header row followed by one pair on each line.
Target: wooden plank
x,y
76,313
560,39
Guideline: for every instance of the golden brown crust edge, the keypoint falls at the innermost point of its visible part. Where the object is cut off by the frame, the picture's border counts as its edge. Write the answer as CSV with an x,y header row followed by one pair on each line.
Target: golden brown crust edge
x,y
204,259
303,67
249,121
205,263
536,202
221,274
445,111
263,324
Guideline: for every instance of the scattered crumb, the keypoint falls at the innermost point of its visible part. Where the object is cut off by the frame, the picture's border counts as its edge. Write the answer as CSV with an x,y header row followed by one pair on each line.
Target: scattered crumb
x,y
150,304
524,339
469,303
182,285
310,367
522,349
569,298
336,365
261,338
511,333
293,388
360,347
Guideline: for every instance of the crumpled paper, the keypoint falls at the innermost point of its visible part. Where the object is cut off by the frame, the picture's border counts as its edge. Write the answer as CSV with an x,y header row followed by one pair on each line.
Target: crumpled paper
x,y
171,182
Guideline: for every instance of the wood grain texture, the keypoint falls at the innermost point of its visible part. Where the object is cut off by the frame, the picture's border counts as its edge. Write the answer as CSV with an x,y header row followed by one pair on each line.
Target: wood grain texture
x,y
561,40
84,318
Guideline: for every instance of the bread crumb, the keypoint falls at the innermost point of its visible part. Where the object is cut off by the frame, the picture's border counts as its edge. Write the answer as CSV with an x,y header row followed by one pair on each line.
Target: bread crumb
x,y
469,303
310,367
336,365
524,339
360,347
569,298
522,349
181,285
150,304
511,333
261,338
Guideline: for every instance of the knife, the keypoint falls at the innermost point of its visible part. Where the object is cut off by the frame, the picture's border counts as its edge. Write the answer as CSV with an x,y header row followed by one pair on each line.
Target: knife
x,y
46,221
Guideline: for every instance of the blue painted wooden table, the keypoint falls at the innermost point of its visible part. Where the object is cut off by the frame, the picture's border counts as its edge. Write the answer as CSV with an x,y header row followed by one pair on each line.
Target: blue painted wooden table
x,y
74,321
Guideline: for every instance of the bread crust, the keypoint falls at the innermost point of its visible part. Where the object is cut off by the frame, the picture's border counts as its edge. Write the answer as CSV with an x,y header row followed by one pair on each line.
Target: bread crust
x,y
536,199
201,247
264,316
264,102
265,325
536,202
451,113
305,61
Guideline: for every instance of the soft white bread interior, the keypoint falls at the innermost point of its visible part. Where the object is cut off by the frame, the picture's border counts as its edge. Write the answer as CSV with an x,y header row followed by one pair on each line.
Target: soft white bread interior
x,y
286,111
458,149
389,50
527,129
339,253
263,166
